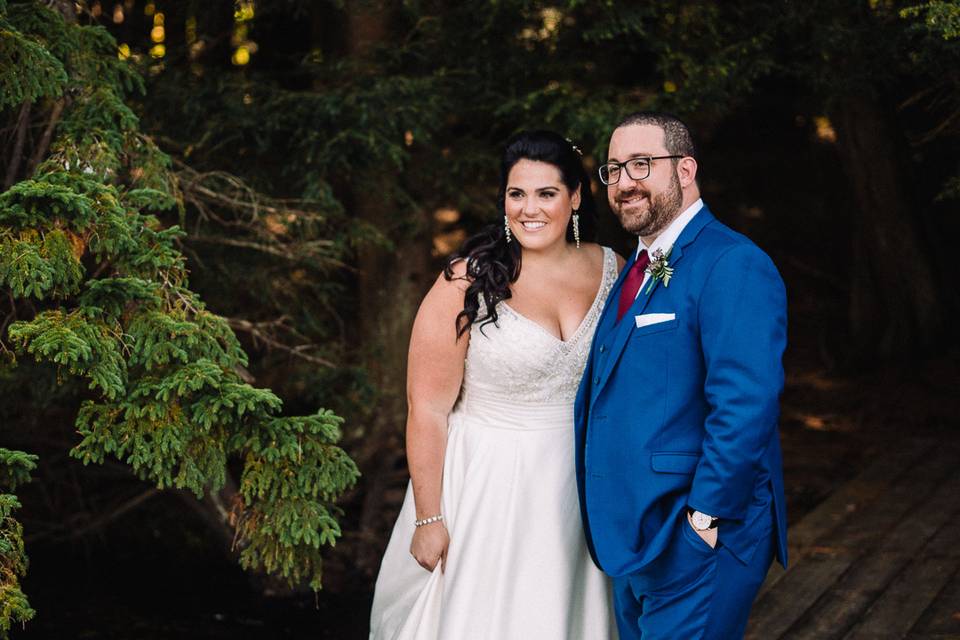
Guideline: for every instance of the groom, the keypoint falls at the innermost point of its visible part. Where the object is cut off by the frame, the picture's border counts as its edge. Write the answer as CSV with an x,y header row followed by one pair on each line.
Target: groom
x,y
678,455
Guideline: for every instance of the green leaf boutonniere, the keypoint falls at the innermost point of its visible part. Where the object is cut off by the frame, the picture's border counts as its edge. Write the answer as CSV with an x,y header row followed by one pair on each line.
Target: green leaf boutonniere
x,y
659,269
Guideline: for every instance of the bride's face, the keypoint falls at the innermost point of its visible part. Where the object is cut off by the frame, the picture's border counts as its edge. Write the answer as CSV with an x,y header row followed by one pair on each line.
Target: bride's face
x,y
538,204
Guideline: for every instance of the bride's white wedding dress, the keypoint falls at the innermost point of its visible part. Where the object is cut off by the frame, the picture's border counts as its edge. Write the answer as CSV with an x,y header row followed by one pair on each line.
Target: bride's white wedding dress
x,y
517,566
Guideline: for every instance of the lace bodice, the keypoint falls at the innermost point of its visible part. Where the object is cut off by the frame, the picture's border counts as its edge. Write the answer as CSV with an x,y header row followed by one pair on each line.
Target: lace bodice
x,y
517,359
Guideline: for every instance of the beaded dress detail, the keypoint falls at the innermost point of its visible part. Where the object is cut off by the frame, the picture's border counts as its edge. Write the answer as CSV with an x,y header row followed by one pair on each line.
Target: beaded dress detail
x,y
520,360
517,566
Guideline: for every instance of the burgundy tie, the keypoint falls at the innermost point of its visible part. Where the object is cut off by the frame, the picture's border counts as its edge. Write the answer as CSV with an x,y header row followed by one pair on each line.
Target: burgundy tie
x,y
631,284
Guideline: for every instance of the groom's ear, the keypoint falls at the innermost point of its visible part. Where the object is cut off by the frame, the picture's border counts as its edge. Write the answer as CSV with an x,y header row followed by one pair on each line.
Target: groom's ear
x,y
687,171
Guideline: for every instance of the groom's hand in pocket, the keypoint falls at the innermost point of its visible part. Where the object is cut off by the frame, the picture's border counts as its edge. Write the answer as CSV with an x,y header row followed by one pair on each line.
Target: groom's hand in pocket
x,y
429,545
709,535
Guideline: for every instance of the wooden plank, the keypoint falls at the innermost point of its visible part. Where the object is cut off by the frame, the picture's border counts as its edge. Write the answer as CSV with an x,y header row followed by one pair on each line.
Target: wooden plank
x,y
904,601
848,500
779,608
851,498
942,618
844,603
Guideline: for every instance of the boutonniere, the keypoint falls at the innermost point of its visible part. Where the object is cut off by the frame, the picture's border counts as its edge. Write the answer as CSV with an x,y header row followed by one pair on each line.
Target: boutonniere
x,y
659,269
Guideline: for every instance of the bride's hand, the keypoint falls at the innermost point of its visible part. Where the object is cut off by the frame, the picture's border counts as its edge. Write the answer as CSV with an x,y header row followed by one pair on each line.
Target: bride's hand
x,y
429,545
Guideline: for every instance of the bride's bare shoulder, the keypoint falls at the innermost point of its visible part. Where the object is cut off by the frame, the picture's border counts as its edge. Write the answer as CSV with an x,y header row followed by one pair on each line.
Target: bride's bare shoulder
x,y
597,253
440,308
448,290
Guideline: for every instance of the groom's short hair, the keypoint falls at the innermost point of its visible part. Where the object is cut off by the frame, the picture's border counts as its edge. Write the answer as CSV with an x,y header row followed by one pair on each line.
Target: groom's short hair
x,y
676,134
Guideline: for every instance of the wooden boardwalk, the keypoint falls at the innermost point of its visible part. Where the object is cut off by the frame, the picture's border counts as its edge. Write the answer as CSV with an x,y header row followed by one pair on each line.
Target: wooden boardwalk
x,y
880,558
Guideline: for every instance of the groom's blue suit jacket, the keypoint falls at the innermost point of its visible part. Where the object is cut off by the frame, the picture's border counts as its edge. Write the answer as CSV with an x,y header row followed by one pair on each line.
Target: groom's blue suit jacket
x,y
684,411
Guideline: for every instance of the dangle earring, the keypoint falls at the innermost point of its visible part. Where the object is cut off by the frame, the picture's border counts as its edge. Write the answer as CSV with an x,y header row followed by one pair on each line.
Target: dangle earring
x,y
576,227
506,228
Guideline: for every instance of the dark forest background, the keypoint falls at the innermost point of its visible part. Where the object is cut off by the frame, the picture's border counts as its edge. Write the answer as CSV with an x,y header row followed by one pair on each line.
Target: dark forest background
x,y
325,156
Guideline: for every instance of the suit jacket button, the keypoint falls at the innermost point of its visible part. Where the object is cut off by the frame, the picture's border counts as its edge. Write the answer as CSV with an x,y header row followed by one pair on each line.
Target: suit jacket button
x,y
603,348
596,380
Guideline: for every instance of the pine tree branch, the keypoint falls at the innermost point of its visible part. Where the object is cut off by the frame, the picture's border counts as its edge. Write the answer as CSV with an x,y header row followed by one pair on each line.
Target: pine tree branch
x,y
279,251
10,317
23,121
170,286
45,140
939,129
240,198
214,511
918,96
120,510
257,332
94,525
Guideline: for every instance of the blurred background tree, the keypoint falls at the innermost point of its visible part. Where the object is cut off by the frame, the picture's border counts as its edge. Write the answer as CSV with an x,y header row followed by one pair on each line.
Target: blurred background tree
x,y
328,155
885,88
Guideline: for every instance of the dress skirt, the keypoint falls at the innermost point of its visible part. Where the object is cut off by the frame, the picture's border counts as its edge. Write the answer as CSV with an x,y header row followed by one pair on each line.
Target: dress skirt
x,y
517,564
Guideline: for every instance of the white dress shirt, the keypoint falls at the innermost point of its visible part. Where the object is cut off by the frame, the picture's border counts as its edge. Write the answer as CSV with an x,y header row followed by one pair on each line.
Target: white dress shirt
x,y
664,241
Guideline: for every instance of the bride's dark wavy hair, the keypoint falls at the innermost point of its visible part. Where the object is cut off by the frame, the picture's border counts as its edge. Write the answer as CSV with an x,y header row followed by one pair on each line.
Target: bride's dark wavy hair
x,y
492,262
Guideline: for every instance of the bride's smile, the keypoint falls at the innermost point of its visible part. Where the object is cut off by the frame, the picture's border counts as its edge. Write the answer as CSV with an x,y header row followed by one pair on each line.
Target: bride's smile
x,y
538,204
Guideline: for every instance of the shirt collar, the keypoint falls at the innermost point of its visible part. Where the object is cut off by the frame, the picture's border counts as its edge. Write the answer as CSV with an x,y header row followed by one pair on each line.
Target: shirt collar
x,y
668,236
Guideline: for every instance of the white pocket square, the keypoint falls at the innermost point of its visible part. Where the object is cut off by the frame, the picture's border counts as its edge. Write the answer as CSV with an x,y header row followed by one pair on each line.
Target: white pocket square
x,y
647,319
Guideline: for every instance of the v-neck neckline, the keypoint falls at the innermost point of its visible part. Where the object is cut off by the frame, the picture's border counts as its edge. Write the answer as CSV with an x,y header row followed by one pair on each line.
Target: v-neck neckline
x,y
583,321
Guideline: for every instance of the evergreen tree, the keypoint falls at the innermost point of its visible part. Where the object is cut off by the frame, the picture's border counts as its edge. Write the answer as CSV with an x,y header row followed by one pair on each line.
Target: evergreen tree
x,y
99,290
877,78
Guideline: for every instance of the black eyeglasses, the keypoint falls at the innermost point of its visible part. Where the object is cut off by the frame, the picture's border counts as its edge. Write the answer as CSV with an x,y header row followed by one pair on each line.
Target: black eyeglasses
x,y
636,168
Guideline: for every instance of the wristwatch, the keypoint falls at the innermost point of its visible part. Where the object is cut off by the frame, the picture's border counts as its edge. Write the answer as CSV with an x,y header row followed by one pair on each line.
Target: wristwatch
x,y
701,521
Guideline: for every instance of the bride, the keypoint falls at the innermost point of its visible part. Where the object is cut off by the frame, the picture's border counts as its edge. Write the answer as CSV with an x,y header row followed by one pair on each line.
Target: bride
x,y
489,544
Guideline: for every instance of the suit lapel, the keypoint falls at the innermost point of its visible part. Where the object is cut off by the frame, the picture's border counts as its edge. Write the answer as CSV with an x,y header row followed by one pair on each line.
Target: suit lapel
x,y
622,331
624,328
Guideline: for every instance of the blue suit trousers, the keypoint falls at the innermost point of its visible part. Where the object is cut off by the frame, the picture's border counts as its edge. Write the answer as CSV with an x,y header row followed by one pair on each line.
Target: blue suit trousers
x,y
691,591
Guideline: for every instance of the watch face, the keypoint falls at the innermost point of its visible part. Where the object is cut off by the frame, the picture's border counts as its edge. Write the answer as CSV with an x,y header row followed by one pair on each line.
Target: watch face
x,y
701,520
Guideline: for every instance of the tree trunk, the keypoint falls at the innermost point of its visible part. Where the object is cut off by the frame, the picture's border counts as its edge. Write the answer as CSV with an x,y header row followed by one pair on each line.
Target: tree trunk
x,y
894,309
20,136
390,286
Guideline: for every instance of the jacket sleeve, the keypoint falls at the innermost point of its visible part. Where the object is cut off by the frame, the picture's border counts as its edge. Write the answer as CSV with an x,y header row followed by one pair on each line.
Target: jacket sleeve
x,y
743,325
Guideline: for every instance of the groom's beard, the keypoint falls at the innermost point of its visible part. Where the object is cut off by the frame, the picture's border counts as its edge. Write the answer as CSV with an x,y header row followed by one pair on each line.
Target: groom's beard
x,y
660,212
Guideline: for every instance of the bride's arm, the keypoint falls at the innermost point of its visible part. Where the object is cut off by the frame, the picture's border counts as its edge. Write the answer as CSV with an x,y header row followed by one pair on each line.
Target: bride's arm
x,y
434,374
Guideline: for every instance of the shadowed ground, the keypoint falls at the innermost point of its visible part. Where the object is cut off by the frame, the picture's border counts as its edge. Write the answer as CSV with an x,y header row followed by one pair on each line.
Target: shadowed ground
x,y
878,558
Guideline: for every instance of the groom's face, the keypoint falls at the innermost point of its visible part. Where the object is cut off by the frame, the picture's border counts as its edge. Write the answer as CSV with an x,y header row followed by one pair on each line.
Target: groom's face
x,y
645,207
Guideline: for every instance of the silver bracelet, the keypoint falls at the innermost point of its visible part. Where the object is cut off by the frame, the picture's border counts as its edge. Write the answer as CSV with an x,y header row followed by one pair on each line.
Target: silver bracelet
x,y
430,520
